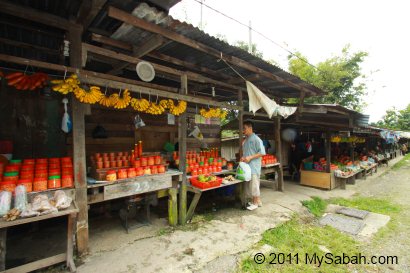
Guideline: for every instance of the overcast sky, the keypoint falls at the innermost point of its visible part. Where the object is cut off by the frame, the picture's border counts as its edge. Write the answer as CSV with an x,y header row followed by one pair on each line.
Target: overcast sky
x,y
320,29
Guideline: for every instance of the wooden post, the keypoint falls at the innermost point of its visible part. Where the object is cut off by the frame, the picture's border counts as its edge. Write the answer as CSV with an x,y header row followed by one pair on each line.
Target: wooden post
x,y
3,241
327,150
182,127
278,146
172,207
240,119
80,171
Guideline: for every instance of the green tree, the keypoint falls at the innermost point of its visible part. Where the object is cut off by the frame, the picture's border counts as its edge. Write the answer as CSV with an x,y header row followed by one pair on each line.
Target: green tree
x,y
403,120
340,76
245,46
389,120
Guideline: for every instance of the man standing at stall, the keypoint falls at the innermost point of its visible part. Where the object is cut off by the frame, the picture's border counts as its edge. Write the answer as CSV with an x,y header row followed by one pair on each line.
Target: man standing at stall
x,y
253,150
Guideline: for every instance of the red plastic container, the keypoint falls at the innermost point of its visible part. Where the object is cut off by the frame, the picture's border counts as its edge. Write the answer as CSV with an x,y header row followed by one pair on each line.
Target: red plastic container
x,y
54,182
41,161
42,166
54,166
131,172
66,160
53,172
67,181
29,161
40,184
27,175
28,183
54,160
12,168
122,173
8,186
27,167
41,174
194,182
67,171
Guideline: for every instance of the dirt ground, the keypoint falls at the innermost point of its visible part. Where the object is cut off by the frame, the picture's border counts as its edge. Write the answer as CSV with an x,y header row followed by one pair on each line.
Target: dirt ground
x,y
217,245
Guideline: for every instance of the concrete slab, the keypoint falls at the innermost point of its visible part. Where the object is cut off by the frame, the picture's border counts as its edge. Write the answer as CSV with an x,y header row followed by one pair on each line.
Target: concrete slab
x,y
373,223
356,213
346,224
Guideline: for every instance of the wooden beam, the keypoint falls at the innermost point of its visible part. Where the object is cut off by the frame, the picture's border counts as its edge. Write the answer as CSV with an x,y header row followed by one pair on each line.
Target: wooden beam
x,y
88,11
80,169
328,151
240,80
34,15
140,23
111,42
116,82
182,136
154,42
240,120
123,57
278,147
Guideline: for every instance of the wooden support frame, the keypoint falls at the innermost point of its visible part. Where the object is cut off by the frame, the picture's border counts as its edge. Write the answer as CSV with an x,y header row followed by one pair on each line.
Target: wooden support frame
x,y
328,151
116,82
278,146
240,119
182,136
140,23
89,9
80,171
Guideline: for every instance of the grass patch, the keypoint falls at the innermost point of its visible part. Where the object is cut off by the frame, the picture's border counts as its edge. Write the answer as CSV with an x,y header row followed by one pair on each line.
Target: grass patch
x,y
402,162
377,205
316,206
303,239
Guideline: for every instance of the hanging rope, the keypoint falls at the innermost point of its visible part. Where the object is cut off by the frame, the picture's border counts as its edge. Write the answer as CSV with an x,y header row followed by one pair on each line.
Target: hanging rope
x,y
234,70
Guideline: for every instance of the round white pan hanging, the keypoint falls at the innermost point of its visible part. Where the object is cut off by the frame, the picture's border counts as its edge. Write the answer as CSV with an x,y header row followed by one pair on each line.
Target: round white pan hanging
x,y
145,71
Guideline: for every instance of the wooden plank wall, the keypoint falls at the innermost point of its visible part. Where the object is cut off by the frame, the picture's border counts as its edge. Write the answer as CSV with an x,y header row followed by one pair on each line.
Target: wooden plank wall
x,y
211,132
32,121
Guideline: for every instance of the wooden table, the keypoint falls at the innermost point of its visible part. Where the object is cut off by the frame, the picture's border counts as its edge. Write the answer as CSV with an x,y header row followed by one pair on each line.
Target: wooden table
x,y
270,168
67,256
198,192
138,185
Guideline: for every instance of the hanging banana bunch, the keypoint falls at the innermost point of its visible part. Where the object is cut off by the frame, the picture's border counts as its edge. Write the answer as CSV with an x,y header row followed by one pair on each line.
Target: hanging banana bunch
x,y
213,113
178,109
140,105
90,96
155,109
123,101
67,85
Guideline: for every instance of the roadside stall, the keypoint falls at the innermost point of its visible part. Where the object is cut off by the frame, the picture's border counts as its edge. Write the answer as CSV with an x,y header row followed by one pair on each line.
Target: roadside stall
x,y
116,69
326,145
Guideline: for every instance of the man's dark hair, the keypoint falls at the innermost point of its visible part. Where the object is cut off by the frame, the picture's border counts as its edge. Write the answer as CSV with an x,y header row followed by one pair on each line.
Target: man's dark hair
x,y
248,123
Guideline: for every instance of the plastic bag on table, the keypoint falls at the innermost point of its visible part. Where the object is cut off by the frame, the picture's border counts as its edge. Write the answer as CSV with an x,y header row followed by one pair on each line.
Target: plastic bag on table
x,y
41,203
62,201
20,199
29,212
243,172
52,210
5,202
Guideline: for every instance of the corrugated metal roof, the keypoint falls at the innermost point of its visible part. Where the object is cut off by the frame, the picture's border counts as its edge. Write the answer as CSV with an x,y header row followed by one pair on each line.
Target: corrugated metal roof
x,y
137,36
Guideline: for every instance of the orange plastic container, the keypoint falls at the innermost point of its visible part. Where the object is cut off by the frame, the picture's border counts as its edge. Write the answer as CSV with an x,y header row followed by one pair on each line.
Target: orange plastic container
x,y
12,168
154,170
27,175
26,183
54,182
131,172
42,166
194,182
67,171
41,174
151,161
27,167
66,160
122,173
54,166
111,175
10,177
67,181
161,168
144,161
54,160
40,184
8,186
41,161
158,160
29,161
137,164
53,172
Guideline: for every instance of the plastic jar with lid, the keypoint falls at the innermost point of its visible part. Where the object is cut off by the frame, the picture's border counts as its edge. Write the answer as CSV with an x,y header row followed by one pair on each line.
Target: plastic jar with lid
x,y
122,173
151,161
161,169
131,172
139,171
40,184
67,181
27,183
26,175
154,170
119,163
54,165
41,174
8,186
158,160
53,172
29,161
15,162
111,175
147,171
54,160
54,182
27,167
194,172
41,161
42,166
11,176
12,168
66,160
144,161
137,163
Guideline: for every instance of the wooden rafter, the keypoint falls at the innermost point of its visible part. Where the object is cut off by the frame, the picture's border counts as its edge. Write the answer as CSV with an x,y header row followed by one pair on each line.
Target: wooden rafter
x,y
140,23
88,11
154,42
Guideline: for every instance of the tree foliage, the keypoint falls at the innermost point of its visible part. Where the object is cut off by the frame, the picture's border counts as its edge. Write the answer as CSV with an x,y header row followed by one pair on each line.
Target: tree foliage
x,y
245,46
395,119
340,76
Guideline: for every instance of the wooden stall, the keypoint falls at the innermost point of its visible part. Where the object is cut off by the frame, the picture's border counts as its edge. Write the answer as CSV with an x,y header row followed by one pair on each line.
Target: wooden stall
x,y
102,42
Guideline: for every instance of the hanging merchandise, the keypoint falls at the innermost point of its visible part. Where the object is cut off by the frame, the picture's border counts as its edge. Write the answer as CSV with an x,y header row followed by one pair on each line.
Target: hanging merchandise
x,y
90,96
67,85
196,133
106,101
123,101
155,109
66,124
21,81
140,105
138,122
178,109
289,134
213,113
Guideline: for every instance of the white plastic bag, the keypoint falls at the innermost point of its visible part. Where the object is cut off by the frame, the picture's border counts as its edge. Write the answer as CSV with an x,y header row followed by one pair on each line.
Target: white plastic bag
x,y
62,201
66,124
20,199
243,172
5,202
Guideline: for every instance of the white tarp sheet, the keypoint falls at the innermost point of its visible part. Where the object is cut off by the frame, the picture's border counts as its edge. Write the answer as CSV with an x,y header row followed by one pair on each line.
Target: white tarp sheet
x,y
258,100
